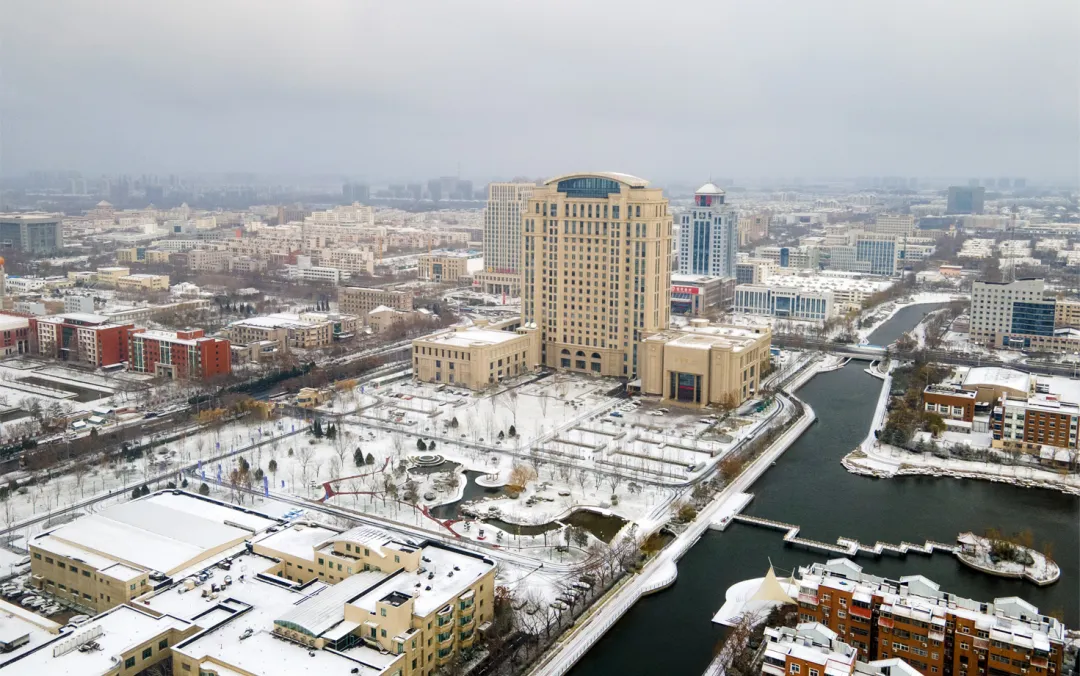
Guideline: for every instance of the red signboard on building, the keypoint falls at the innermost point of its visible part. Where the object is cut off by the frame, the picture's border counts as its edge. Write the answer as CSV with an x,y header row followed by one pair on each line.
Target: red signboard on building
x,y
686,289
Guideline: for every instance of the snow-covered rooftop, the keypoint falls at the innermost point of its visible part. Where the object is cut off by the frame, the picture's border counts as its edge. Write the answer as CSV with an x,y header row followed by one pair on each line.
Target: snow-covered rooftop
x,y
453,573
163,532
297,540
267,656
995,376
320,612
122,629
470,337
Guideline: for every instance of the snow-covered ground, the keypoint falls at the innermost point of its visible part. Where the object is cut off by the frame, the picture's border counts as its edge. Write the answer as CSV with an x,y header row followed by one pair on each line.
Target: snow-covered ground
x,y
977,553
888,461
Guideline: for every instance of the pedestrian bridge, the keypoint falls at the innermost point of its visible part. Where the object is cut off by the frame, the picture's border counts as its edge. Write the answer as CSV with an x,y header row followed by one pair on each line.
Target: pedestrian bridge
x,y
846,546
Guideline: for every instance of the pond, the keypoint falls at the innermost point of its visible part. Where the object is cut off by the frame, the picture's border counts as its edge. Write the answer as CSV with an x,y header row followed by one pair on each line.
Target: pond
x,y
602,526
527,530
473,491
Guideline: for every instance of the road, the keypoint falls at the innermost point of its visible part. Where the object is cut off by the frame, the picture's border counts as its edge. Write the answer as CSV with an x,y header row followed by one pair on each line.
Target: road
x,y
127,488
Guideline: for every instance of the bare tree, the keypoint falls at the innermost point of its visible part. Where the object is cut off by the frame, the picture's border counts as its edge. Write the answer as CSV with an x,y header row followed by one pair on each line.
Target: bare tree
x,y
582,476
304,455
614,479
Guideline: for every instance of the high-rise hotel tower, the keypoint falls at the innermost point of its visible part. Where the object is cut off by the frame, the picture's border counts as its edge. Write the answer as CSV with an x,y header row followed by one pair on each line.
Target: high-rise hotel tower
x,y
596,270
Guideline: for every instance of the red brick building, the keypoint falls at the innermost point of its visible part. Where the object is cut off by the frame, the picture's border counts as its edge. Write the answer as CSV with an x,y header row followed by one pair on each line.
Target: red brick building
x,y
950,403
178,354
80,337
935,632
14,335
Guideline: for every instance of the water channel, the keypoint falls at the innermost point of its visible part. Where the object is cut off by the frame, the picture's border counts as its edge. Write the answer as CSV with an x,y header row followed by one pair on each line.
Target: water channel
x,y
672,633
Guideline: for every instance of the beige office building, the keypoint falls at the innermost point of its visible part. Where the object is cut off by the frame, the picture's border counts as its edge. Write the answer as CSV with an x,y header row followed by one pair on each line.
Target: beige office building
x,y
474,357
143,282
359,301
110,276
106,559
705,365
502,234
894,224
596,270
449,266
753,227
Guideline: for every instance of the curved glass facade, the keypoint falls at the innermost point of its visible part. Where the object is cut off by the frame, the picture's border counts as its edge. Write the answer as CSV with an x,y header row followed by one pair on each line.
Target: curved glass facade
x,y
592,186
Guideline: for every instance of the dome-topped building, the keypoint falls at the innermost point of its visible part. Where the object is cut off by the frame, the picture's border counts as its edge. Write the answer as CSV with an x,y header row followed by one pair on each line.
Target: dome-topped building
x,y
708,235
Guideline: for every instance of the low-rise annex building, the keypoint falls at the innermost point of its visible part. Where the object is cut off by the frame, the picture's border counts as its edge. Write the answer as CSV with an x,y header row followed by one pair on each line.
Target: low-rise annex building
x,y
359,301
106,559
143,282
449,266
278,599
475,356
705,365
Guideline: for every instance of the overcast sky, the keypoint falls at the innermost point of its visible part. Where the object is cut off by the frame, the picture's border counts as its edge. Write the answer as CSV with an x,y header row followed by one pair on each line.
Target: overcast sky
x,y
413,88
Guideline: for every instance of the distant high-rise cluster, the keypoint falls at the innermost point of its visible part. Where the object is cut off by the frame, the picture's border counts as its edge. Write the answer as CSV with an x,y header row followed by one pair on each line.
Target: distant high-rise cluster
x,y
965,200
356,192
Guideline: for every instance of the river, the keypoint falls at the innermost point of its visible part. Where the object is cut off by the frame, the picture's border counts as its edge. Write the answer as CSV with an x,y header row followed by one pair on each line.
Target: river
x,y
672,632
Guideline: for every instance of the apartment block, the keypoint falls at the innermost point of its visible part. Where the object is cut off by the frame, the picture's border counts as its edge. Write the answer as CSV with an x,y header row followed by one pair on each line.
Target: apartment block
x,y
449,266
179,354
359,301
705,365
812,649
79,337
208,260
597,270
353,261
935,632
475,357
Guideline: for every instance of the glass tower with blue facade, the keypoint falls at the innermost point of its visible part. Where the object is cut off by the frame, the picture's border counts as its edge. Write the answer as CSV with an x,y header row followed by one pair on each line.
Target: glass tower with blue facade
x,y
708,235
